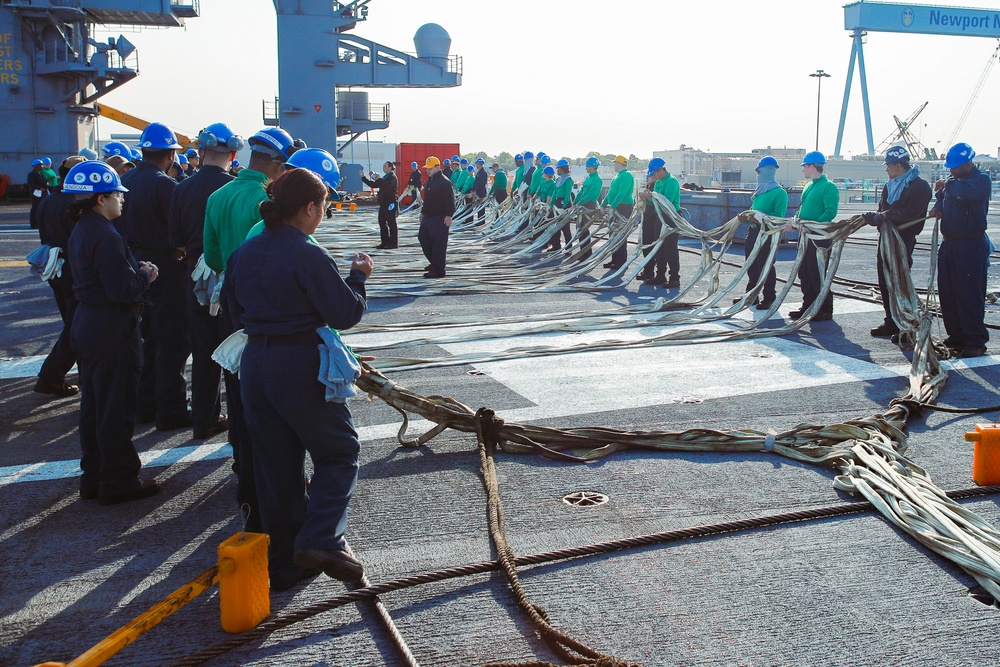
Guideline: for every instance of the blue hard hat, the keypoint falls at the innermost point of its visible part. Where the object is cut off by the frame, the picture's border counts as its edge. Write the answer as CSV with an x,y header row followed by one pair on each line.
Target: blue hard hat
x,y
275,142
182,159
463,162
46,161
470,169
318,161
454,158
135,153
36,163
813,157
219,138
117,148
158,136
958,155
190,153
92,177
896,154
767,161
655,165
518,157
549,170
562,163
544,159
413,165
593,162
480,160
540,153
88,154
528,155
236,163
446,161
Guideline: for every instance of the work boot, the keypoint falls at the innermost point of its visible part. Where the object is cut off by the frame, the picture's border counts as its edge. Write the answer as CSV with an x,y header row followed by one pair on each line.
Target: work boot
x,y
765,304
220,425
673,283
147,488
337,564
60,389
884,330
657,280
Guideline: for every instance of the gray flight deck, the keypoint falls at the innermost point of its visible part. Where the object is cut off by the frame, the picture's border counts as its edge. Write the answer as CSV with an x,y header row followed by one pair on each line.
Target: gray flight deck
x,y
842,591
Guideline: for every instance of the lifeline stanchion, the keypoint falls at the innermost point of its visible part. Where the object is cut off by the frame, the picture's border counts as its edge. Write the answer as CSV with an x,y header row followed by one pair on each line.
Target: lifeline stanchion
x,y
244,598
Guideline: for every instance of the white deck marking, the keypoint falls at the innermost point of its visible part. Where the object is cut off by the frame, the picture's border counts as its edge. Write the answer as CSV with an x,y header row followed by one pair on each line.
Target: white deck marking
x,y
586,382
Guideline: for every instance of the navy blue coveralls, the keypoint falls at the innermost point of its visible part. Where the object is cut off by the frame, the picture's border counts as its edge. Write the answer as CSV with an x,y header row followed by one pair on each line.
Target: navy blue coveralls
x,y
36,183
962,258
54,229
479,187
416,181
280,288
387,209
439,203
911,205
186,228
165,340
110,288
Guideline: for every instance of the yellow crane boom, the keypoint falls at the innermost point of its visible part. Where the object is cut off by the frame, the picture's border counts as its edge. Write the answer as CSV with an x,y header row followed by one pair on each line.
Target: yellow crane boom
x,y
138,123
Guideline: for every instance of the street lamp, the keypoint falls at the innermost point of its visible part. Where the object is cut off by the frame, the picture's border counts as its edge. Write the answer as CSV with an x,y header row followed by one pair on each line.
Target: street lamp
x,y
819,75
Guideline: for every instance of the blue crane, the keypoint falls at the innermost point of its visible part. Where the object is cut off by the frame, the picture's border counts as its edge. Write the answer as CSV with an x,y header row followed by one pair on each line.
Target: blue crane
x,y
863,17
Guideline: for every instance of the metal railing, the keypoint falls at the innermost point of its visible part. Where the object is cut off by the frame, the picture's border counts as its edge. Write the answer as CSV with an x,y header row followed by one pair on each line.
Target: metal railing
x,y
359,111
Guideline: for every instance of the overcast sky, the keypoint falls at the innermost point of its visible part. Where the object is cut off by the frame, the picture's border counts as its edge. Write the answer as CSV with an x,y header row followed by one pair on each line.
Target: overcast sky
x,y
569,77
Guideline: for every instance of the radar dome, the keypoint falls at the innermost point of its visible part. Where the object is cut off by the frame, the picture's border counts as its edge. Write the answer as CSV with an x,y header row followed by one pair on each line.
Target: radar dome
x,y
433,43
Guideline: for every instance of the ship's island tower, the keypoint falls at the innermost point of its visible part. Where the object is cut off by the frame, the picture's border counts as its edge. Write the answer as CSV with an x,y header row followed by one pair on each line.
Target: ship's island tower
x,y
52,69
318,63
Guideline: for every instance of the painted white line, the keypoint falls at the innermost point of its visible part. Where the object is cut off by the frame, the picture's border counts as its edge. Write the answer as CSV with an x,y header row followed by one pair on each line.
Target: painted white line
x,y
38,472
14,368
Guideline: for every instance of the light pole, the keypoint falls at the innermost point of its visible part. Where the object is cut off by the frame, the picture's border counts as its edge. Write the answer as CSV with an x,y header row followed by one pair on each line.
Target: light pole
x,y
819,75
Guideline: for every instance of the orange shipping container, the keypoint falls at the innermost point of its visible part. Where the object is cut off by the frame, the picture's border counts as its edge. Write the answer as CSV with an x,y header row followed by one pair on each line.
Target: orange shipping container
x,y
407,153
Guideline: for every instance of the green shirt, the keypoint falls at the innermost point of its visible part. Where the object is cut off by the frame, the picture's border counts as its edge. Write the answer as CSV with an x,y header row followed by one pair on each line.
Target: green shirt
x,y
51,176
820,200
230,213
536,180
774,202
621,190
546,188
564,192
518,178
455,175
590,190
499,182
670,188
468,182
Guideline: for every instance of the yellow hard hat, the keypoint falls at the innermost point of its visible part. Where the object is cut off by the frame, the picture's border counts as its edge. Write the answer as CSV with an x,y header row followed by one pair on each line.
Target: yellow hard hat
x,y
432,162
621,159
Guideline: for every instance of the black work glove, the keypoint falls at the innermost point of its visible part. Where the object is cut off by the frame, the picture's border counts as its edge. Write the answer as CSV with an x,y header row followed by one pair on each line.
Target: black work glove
x,y
873,219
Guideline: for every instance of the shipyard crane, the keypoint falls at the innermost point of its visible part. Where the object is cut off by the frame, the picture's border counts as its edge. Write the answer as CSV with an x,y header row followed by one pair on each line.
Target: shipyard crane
x,y
863,17
904,135
138,123
975,94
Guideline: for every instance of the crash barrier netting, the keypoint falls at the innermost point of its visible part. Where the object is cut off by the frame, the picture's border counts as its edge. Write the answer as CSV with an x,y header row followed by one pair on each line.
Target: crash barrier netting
x,y
503,255
867,453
